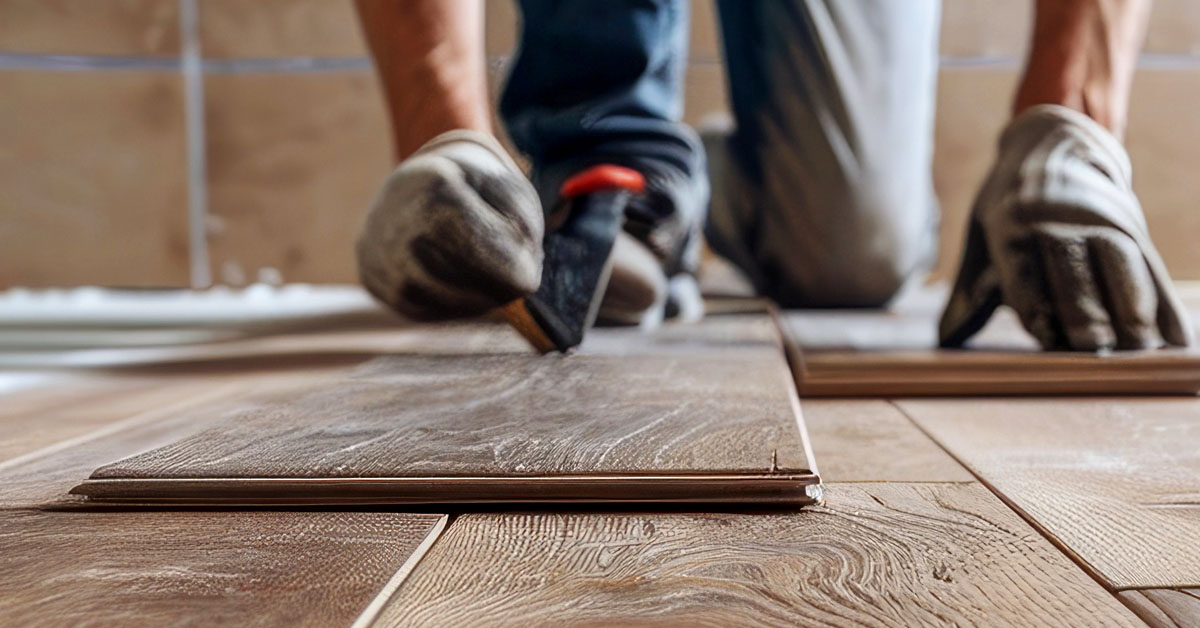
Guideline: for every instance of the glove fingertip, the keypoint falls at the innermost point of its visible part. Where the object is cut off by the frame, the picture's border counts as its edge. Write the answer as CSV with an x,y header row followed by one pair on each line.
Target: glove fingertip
x,y
971,304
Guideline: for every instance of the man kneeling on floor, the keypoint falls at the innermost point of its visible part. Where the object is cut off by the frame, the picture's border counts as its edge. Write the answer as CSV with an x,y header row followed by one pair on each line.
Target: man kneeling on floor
x,y
822,191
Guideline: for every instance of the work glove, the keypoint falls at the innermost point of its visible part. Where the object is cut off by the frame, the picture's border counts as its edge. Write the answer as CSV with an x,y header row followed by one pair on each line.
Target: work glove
x,y
455,231
1057,234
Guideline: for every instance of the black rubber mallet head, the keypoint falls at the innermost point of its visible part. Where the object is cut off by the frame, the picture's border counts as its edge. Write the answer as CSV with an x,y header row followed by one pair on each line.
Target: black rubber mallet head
x,y
578,258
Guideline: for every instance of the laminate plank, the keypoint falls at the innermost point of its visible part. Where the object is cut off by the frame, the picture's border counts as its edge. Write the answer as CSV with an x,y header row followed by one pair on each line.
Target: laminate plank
x,y
1165,608
502,427
147,568
872,555
872,354
870,440
1115,481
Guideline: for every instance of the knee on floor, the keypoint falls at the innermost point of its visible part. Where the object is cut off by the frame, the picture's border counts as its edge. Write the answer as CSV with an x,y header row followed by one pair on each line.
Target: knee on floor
x,y
869,253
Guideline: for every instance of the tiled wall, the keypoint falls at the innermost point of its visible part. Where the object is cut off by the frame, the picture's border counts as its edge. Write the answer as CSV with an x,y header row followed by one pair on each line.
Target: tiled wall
x,y
167,142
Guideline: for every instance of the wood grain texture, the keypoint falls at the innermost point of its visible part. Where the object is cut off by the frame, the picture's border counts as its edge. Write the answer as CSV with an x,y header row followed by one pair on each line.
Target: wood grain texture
x,y
859,353
1116,481
200,568
869,440
44,477
71,406
874,555
508,416
1165,608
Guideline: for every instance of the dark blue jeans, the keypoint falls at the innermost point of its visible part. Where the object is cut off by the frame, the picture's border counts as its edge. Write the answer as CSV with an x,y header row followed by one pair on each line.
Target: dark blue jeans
x,y
822,195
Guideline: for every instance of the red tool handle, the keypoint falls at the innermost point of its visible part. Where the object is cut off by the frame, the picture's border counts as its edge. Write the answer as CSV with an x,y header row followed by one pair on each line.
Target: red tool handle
x,y
603,177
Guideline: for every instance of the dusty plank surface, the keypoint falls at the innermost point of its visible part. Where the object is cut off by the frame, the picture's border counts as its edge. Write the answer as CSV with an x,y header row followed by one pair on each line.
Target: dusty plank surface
x,y
200,568
874,555
514,415
1116,480
860,440
1165,608
672,401
509,416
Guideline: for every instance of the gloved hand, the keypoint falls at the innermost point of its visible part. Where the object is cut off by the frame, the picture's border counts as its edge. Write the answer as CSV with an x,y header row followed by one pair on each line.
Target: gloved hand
x,y
1057,234
455,231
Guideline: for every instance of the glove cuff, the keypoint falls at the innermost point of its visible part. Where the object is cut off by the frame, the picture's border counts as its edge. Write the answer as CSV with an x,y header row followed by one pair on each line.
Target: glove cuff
x,y
1035,123
486,141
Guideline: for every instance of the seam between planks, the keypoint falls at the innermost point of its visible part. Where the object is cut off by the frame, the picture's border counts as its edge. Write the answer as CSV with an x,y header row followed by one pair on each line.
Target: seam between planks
x,y
118,426
371,612
781,344
1033,523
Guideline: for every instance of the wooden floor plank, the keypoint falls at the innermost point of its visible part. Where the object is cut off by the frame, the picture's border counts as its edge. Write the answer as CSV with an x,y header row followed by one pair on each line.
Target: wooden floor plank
x,y
1116,481
870,440
44,477
509,417
1165,608
857,353
72,406
874,555
156,568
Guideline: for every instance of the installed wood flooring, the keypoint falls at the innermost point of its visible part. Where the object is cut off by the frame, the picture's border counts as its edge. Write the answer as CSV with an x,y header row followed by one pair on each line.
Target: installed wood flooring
x,y
874,555
1165,608
202,568
1115,481
907,535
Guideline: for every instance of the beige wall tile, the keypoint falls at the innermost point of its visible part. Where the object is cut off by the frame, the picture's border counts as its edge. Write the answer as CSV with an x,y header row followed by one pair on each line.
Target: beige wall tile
x,y
983,28
972,28
92,179
704,92
90,27
1174,27
502,27
972,107
279,28
1164,144
294,160
705,33
504,23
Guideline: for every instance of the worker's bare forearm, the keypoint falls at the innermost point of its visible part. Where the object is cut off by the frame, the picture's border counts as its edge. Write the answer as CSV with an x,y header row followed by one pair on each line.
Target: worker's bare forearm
x,y
430,59
1083,56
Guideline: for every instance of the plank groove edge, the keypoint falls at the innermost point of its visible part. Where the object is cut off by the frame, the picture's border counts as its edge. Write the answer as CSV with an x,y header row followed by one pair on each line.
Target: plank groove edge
x,y
1164,608
783,489
982,373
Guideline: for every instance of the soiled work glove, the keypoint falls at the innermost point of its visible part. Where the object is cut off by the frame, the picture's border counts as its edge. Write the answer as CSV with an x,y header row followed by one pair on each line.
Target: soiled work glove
x,y
1057,234
455,231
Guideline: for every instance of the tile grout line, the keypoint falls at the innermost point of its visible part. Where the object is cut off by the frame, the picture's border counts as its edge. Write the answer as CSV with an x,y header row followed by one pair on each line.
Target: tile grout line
x,y
1083,565
197,167
309,64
